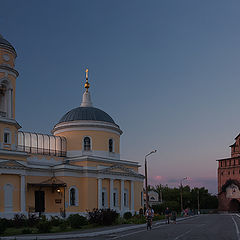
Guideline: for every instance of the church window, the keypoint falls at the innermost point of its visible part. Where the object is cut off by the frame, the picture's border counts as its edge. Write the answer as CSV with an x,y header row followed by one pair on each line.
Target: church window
x,y
229,162
115,198
110,145
7,136
104,197
73,196
228,172
125,198
87,144
234,162
233,172
221,163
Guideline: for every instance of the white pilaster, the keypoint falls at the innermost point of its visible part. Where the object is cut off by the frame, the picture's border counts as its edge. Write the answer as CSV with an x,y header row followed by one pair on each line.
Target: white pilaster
x,y
111,193
99,193
122,196
23,194
132,196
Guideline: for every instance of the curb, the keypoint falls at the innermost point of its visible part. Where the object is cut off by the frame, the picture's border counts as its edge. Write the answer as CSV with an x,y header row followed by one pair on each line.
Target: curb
x,y
82,235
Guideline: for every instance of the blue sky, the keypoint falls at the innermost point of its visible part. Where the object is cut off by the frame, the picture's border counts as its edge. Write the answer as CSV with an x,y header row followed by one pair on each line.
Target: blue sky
x,y
166,71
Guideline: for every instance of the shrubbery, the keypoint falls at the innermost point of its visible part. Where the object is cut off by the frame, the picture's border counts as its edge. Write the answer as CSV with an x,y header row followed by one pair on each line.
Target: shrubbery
x,y
44,226
77,221
19,220
103,216
127,215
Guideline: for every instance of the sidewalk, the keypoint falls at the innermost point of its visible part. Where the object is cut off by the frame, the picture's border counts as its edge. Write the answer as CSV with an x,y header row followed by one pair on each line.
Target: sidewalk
x,y
87,233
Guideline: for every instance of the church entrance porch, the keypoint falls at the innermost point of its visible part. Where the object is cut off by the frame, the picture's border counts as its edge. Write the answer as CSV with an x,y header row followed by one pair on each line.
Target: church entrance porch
x,y
47,197
234,206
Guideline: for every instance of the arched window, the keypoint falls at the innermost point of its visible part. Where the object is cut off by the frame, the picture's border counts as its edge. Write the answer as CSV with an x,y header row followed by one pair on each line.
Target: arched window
x,y
110,145
87,144
7,136
73,196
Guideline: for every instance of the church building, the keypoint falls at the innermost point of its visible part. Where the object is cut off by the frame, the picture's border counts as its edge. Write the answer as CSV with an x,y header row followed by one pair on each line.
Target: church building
x,y
229,180
74,169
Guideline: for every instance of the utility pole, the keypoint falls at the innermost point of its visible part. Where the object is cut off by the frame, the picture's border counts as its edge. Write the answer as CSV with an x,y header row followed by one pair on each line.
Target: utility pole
x,y
198,203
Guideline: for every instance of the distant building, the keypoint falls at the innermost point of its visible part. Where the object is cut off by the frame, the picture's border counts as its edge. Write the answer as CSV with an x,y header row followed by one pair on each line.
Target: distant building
x,y
153,198
229,180
74,169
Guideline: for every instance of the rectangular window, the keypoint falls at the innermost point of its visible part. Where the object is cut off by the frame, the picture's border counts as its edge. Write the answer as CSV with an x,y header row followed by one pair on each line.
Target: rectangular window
x,y
103,199
125,199
6,138
141,198
114,199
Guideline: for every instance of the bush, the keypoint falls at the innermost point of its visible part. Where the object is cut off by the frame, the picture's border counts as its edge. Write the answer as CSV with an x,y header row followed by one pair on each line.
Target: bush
x,y
44,226
77,221
141,211
3,226
103,216
26,231
63,226
55,221
32,220
127,215
19,220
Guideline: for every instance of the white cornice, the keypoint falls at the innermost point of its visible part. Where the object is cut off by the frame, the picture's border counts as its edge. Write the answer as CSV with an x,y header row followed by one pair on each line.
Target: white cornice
x,y
86,125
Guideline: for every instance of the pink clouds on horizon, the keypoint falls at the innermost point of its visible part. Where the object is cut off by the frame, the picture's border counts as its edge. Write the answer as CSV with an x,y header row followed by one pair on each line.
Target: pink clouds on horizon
x,y
209,183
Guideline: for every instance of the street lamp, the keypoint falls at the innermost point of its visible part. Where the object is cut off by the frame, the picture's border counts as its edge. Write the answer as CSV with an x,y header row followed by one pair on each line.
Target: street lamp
x,y
146,176
181,194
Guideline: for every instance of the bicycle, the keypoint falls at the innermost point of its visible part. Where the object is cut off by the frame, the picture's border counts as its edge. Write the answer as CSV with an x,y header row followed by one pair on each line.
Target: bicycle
x,y
149,223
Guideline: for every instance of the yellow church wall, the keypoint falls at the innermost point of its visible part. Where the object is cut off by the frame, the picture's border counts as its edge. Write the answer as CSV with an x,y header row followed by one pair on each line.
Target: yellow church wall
x,y
99,140
14,180
138,188
12,157
12,129
92,196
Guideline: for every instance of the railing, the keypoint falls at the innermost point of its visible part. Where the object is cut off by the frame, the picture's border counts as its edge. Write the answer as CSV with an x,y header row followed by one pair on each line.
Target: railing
x,y
41,151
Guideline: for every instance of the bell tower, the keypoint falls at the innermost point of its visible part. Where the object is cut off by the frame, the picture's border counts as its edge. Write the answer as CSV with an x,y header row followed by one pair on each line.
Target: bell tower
x,y
8,76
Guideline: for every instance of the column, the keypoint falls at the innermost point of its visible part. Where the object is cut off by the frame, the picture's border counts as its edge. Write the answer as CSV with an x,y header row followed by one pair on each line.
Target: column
x,y
122,195
132,196
111,193
23,194
99,193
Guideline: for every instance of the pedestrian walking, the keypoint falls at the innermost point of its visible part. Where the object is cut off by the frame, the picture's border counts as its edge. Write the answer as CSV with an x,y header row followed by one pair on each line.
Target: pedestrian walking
x,y
167,215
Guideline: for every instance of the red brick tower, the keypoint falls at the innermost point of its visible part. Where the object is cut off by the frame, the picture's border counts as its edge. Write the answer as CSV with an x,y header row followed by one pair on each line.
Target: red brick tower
x,y
229,180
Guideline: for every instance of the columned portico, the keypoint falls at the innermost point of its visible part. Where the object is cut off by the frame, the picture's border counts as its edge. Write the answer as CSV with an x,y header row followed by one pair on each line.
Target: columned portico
x,y
99,193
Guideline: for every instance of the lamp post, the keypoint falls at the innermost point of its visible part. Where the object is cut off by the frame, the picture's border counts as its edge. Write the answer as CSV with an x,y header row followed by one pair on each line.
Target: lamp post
x,y
146,176
181,193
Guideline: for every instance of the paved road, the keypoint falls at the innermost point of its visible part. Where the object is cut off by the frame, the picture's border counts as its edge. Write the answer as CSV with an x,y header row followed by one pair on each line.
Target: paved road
x,y
204,227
